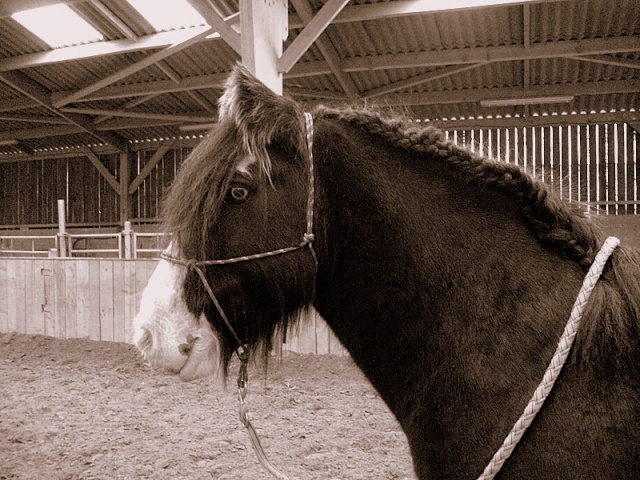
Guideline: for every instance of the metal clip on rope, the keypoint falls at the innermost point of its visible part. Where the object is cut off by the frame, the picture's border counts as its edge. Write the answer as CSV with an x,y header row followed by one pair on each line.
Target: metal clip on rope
x,y
243,385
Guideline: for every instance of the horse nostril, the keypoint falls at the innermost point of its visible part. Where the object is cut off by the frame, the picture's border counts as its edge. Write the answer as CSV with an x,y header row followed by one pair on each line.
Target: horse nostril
x,y
185,348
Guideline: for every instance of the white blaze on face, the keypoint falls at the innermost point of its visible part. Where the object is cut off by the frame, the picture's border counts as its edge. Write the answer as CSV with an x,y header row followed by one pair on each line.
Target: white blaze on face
x,y
171,339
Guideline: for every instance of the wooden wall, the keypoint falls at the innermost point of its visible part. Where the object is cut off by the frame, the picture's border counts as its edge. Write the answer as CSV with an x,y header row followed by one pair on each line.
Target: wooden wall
x,y
98,299
72,298
594,164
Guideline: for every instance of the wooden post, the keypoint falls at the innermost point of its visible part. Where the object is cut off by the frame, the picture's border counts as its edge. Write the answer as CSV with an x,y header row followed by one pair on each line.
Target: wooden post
x,y
62,229
128,237
264,27
125,196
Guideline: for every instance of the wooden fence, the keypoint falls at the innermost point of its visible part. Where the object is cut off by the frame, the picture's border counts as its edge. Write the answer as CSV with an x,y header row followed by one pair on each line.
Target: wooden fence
x,y
98,299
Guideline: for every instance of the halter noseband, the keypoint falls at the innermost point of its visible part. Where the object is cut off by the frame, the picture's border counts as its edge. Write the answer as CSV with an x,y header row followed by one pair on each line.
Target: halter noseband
x,y
307,240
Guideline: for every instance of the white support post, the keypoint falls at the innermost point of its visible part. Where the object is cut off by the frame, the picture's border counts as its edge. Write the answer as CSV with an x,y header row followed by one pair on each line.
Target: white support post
x,y
264,26
62,229
128,237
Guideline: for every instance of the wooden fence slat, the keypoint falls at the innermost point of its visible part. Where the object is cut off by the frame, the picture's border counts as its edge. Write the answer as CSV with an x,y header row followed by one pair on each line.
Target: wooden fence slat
x,y
130,298
106,300
66,298
83,299
4,298
98,299
120,290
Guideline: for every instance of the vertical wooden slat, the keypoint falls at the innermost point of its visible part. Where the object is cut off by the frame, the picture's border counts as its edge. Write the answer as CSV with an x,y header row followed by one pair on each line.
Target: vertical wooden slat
x,y
612,167
593,165
322,335
34,297
13,308
130,298
67,298
45,303
84,299
106,300
629,170
119,293
5,288
557,160
94,316
603,165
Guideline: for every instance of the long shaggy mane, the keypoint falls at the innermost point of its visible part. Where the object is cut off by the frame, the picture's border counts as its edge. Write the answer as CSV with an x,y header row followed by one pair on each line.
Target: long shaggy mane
x,y
252,118
613,312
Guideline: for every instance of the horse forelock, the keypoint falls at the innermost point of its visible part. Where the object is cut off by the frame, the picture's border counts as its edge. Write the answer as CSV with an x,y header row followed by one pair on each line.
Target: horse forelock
x,y
260,116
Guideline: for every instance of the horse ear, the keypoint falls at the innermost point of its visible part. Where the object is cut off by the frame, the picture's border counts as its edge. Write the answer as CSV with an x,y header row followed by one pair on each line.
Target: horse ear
x,y
243,96
259,114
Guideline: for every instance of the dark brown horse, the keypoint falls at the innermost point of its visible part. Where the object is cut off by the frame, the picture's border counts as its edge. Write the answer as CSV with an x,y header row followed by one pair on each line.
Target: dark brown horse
x,y
448,277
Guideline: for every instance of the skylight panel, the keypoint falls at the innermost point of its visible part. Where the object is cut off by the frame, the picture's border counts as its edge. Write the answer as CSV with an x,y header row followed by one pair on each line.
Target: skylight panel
x,y
58,25
166,15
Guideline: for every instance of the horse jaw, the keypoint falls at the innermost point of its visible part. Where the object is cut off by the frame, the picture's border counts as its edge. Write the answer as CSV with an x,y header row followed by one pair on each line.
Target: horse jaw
x,y
171,339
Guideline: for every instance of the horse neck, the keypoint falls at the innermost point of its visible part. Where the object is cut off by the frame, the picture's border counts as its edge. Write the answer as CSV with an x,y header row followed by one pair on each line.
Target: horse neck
x,y
436,288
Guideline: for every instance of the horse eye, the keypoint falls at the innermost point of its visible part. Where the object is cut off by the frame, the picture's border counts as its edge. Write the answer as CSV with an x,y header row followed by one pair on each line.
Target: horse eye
x,y
239,194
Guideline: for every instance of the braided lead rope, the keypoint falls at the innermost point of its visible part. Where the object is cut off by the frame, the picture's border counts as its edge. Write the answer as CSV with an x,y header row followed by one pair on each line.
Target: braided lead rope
x,y
557,362
242,351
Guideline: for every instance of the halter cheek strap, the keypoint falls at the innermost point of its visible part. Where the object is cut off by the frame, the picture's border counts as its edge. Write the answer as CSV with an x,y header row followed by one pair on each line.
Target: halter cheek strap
x,y
307,241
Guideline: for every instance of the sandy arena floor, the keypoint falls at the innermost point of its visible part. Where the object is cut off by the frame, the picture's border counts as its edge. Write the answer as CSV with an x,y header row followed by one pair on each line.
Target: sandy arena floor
x,y
79,409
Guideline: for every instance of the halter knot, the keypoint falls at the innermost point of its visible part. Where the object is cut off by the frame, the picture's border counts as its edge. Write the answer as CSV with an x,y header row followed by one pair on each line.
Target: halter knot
x,y
307,238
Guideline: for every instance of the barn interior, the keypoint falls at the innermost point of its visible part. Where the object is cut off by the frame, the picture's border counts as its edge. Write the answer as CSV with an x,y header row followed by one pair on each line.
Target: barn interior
x,y
94,128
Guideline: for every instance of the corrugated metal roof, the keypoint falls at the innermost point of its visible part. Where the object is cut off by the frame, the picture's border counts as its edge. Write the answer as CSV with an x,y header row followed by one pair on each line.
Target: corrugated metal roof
x,y
432,65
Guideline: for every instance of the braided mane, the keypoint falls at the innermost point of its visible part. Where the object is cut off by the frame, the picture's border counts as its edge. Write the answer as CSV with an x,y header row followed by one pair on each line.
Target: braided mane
x,y
551,219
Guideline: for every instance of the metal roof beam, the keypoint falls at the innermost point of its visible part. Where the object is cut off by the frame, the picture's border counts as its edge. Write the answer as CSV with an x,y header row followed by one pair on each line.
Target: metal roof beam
x,y
224,29
420,79
479,94
136,67
27,86
569,48
609,60
310,33
538,120
328,51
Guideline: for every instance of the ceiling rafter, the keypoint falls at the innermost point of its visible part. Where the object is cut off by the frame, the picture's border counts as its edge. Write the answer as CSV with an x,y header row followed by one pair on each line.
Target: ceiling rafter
x,y
312,30
131,69
328,51
27,86
102,105
221,25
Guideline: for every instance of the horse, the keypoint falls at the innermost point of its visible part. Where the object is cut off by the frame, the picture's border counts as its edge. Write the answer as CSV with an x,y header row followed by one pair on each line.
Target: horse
x,y
446,275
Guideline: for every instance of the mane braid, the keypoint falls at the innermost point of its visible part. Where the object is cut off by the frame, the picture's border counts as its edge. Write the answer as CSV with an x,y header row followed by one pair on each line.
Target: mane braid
x,y
553,222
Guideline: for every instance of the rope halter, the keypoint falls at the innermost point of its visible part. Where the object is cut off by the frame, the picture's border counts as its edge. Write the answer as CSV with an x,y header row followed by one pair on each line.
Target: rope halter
x,y
307,241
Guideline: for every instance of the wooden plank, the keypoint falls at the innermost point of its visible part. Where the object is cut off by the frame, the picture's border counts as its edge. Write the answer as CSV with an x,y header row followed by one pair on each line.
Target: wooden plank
x,y
67,299
93,288
20,296
4,296
612,167
306,334
59,308
630,166
593,164
120,291
34,297
583,165
322,335
15,306
130,298
43,271
83,299
106,300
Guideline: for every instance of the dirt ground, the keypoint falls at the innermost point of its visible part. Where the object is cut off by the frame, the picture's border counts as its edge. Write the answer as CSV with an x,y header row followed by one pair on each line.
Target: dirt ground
x,y
80,409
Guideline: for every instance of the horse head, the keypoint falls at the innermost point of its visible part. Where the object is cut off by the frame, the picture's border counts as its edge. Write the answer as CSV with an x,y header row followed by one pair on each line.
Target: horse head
x,y
236,270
